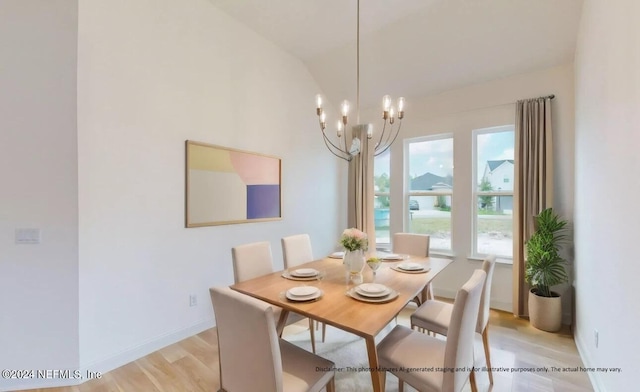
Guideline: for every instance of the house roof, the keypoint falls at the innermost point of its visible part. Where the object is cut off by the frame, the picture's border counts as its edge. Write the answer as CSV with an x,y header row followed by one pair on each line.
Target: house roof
x,y
495,164
427,181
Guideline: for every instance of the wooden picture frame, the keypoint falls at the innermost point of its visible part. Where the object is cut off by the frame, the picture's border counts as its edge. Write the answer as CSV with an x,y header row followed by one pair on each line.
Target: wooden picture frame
x,y
228,186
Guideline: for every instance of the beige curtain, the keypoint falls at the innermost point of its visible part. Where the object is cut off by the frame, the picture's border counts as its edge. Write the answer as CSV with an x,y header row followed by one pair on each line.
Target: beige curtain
x,y
360,189
534,184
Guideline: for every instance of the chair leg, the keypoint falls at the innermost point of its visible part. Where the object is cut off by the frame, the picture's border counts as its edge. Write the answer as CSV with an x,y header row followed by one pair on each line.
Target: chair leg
x,y
487,354
383,380
472,382
324,331
400,385
313,336
331,385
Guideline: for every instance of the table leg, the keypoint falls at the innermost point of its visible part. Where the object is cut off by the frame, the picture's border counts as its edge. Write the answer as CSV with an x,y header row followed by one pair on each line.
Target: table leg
x,y
372,352
282,321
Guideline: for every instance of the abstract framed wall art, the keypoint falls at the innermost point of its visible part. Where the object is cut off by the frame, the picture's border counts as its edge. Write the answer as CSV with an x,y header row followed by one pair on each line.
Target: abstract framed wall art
x,y
227,186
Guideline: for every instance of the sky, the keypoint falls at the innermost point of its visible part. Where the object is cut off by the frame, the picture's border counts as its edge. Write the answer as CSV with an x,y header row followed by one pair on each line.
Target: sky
x,y
436,156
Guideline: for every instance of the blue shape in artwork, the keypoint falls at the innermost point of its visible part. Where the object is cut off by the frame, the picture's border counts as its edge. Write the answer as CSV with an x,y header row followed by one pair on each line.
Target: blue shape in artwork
x,y
263,201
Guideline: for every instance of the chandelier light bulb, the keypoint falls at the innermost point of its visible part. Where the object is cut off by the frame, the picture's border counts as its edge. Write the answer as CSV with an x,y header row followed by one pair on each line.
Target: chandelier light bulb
x,y
391,114
400,104
386,103
400,108
345,108
340,128
319,101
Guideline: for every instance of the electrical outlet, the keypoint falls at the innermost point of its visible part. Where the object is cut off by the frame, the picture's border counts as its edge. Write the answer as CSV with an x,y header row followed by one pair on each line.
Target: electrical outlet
x,y
193,300
595,336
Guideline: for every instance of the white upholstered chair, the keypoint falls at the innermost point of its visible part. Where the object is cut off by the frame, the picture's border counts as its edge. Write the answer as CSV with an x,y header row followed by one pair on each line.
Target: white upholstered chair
x,y
254,358
296,250
415,245
254,260
404,348
435,316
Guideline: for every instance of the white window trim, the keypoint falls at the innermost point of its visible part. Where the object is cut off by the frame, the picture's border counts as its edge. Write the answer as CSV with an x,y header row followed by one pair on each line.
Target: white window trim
x,y
406,216
475,193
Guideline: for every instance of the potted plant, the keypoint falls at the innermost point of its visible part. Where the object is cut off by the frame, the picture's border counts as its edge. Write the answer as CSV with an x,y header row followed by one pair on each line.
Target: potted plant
x,y
546,268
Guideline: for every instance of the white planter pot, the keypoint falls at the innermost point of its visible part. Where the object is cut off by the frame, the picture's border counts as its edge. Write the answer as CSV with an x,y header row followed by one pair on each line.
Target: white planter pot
x,y
545,313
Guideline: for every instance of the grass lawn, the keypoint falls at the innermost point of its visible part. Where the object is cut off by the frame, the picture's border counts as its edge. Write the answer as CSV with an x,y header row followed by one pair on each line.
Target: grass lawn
x,y
436,225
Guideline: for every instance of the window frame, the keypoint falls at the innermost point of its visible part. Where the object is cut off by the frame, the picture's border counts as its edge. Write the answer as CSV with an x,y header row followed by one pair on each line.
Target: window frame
x,y
383,245
407,193
475,193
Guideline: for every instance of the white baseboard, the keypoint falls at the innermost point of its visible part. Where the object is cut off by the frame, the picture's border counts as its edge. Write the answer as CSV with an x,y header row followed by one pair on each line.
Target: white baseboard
x,y
107,364
594,377
131,354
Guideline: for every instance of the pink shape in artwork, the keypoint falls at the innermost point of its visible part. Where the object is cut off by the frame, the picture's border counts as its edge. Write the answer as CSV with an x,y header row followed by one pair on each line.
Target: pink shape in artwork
x,y
256,169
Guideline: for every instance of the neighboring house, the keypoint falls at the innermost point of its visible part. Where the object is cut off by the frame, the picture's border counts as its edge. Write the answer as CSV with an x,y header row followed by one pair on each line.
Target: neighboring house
x,y
500,174
432,182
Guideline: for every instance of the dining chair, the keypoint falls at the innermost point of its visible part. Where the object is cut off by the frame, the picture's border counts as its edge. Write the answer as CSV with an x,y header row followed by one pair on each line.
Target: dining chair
x,y
404,350
254,358
254,260
435,316
296,250
414,245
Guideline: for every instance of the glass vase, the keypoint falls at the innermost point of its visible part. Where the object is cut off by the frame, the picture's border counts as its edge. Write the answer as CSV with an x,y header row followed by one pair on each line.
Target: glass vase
x,y
354,263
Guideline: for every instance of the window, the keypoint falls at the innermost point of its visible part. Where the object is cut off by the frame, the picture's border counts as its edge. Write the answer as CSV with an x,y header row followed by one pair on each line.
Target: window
x,y
381,178
429,188
493,191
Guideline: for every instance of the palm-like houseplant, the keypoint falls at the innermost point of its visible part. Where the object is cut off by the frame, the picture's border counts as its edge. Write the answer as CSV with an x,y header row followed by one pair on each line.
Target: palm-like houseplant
x,y
546,268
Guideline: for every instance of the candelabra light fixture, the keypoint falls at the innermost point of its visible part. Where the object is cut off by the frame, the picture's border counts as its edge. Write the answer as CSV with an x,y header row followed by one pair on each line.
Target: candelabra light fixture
x,y
391,115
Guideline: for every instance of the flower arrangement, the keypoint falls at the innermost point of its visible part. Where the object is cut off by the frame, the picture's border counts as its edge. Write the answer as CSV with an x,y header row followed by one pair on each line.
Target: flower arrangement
x,y
354,239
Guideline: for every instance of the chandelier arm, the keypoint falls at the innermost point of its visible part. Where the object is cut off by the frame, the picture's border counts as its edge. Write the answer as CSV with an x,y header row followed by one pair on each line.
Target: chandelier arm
x,y
392,141
346,148
335,150
386,140
384,127
327,140
341,154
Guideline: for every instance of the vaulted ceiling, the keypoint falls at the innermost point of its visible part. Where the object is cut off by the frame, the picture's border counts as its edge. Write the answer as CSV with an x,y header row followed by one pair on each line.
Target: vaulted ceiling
x,y
414,48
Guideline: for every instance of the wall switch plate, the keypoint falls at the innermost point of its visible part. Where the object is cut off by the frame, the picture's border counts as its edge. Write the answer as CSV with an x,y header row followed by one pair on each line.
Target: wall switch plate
x,y
193,300
27,236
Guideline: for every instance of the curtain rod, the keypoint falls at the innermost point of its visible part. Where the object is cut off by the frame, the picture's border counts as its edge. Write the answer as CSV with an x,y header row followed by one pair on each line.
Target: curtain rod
x,y
552,96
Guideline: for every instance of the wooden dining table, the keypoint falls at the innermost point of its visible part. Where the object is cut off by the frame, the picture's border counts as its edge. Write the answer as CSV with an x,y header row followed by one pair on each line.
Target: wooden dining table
x,y
340,310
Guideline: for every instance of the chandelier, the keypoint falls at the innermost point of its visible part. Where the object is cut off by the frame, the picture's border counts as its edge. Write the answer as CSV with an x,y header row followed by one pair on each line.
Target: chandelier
x,y
390,127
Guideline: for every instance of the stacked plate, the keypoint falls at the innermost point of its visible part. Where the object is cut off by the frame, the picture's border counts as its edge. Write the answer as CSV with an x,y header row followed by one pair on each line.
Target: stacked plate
x,y
372,292
304,273
414,268
392,256
337,255
303,293
410,266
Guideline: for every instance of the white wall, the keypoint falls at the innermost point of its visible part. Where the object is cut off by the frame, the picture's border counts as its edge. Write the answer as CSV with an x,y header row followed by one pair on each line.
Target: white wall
x,y
38,170
607,216
152,74
482,106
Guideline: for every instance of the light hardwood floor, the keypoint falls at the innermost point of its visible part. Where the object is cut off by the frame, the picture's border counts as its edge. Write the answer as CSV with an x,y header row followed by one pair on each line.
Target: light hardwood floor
x,y
192,364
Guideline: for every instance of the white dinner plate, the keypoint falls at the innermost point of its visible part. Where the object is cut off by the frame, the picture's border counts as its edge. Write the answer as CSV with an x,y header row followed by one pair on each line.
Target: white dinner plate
x,y
373,288
337,255
391,256
291,294
303,291
379,294
304,272
387,298
410,266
